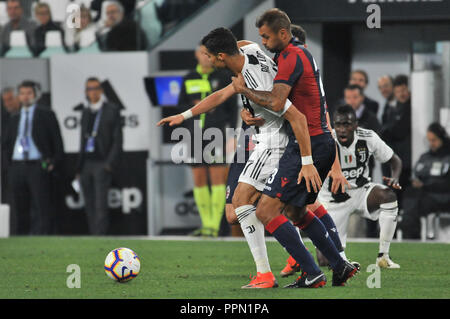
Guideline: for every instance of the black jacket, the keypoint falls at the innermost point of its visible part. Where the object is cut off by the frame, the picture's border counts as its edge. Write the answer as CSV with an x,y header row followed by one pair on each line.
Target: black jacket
x,y
396,131
46,136
368,120
433,170
372,105
109,138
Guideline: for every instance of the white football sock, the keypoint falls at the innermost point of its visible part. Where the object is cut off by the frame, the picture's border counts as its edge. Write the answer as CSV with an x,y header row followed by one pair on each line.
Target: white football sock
x,y
253,230
388,222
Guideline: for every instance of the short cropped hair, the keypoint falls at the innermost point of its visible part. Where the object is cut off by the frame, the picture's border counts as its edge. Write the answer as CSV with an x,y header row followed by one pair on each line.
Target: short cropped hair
x,y
363,73
221,40
275,19
299,33
355,87
29,84
345,110
400,79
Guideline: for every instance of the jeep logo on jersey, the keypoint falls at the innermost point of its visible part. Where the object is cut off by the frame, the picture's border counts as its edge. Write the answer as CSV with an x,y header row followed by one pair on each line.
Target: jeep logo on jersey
x,y
353,173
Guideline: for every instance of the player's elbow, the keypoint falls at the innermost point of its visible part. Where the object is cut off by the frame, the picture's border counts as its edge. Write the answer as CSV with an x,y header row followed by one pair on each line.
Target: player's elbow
x,y
277,105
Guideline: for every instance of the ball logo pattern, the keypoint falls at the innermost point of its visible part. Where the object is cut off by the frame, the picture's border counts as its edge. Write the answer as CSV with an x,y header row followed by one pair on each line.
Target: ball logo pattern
x,y
122,264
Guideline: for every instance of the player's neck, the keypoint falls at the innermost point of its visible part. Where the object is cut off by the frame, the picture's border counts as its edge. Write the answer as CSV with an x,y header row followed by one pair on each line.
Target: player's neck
x,y
236,63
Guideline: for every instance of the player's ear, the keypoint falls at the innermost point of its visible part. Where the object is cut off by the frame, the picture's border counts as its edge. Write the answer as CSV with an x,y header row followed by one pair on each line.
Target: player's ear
x,y
221,56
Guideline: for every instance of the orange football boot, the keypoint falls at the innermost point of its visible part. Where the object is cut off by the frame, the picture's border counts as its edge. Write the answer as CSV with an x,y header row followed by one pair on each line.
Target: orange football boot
x,y
291,267
265,280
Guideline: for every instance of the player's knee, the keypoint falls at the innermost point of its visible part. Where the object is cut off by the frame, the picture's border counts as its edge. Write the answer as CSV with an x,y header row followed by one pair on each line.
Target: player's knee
x,y
388,196
296,214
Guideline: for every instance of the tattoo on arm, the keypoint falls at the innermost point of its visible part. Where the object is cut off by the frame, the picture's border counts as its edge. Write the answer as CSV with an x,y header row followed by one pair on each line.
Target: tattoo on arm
x,y
273,100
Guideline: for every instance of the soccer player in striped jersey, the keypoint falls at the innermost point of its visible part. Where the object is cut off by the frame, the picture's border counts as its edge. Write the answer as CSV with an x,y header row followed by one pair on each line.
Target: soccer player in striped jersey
x,y
297,78
271,139
370,200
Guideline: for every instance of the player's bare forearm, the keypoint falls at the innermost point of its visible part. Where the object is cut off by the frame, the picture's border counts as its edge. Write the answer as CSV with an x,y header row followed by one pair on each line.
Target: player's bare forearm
x,y
299,125
207,104
396,166
212,101
273,100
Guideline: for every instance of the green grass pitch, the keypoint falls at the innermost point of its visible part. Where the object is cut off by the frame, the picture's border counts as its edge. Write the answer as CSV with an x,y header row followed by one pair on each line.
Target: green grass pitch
x,y
205,269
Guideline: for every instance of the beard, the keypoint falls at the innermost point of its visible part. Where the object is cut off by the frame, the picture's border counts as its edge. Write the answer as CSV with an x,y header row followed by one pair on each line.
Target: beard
x,y
276,48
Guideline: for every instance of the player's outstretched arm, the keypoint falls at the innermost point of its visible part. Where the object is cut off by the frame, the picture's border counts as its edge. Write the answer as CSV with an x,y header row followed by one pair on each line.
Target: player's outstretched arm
x,y
204,106
273,100
396,170
300,127
338,179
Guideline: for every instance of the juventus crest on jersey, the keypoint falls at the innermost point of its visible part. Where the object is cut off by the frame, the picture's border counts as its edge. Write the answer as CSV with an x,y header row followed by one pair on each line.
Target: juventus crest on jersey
x,y
355,158
259,71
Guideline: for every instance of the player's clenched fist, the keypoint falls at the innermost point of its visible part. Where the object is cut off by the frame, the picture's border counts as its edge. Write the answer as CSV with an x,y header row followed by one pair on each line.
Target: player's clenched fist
x,y
172,120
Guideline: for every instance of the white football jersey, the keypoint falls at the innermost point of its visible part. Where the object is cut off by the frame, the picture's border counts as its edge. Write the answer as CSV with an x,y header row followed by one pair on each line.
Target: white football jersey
x,y
259,71
355,158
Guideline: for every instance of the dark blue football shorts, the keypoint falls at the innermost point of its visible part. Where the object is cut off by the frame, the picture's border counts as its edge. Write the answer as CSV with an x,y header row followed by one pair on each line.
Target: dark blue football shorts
x,y
283,182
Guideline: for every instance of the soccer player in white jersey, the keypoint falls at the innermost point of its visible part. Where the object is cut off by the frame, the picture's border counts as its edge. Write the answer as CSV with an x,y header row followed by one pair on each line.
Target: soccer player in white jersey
x,y
370,200
271,139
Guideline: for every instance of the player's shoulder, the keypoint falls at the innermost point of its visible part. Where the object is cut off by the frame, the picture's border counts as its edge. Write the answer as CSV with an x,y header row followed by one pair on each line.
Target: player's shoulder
x,y
365,133
249,47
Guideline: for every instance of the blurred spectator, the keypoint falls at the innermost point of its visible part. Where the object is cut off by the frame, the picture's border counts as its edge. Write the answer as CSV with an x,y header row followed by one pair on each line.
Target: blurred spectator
x,y
113,16
299,33
430,190
17,21
44,18
171,12
386,88
75,38
10,106
360,77
125,33
127,5
100,148
33,148
354,96
396,128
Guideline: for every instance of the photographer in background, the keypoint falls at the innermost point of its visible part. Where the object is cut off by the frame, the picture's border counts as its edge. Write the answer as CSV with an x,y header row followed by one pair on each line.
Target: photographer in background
x,y
32,147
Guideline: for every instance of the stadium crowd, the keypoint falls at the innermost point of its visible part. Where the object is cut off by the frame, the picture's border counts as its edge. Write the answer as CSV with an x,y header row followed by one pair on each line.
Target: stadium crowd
x,y
110,25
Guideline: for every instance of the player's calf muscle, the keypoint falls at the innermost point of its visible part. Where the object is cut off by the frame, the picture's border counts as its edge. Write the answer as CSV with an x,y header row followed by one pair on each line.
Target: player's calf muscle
x,y
295,214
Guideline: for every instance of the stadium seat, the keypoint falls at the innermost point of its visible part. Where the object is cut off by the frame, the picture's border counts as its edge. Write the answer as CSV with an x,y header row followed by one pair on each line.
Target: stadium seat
x,y
93,48
53,44
87,39
18,44
150,23
432,221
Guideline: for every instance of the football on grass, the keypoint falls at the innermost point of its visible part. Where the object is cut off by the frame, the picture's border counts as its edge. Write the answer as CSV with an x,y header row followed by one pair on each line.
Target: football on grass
x,y
122,264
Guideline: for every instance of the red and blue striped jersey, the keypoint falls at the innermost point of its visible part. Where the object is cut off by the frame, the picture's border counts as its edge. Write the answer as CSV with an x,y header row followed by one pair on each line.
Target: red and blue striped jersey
x,y
298,69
